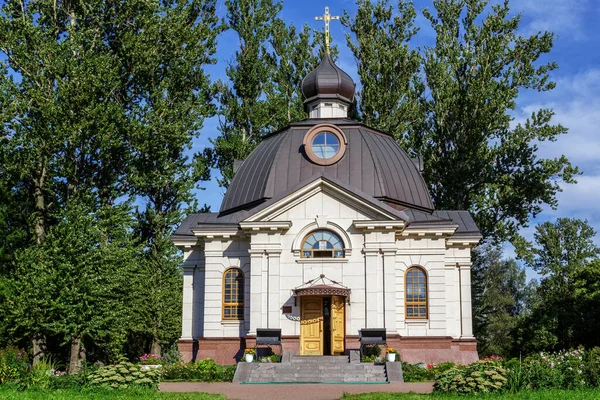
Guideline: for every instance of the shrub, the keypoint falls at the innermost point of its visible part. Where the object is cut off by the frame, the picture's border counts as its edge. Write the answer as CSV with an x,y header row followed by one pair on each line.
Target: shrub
x,y
151,359
479,377
172,355
371,354
565,369
67,382
273,358
13,365
203,370
42,374
592,366
420,372
124,375
370,359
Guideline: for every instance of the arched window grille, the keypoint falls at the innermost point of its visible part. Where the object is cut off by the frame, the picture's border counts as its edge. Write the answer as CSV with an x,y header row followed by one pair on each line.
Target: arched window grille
x,y
233,294
415,289
322,244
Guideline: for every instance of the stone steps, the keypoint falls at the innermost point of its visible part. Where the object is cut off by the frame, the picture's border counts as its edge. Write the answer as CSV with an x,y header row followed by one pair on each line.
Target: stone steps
x,y
321,360
317,370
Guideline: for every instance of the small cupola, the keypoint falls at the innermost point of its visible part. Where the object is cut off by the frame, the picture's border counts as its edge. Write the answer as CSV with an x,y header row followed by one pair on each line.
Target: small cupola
x,y
328,91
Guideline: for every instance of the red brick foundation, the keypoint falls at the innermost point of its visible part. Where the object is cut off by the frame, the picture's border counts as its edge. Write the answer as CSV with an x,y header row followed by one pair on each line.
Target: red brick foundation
x,y
430,350
188,349
435,350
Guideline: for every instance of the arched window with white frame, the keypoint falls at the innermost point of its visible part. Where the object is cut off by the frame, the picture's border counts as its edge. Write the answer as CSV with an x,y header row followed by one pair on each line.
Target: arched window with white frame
x,y
322,243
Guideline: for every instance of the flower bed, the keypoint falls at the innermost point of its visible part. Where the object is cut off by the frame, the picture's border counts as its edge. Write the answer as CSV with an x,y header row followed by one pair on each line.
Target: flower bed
x,y
203,370
574,369
479,377
123,376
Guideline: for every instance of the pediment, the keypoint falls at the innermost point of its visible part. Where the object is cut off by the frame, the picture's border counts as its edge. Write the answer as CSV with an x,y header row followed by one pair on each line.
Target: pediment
x,y
368,207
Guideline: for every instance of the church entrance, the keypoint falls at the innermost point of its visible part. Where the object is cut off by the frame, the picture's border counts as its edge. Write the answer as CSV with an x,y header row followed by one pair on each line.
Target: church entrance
x,y
322,325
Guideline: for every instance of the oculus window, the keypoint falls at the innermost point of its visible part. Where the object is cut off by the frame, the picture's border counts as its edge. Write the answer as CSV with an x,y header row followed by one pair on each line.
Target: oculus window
x,y
415,290
233,294
322,244
324,144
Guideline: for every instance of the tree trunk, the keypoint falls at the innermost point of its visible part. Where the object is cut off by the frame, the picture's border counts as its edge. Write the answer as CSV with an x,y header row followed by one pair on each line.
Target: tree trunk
x,y
77,355
38,349
40,232
40,203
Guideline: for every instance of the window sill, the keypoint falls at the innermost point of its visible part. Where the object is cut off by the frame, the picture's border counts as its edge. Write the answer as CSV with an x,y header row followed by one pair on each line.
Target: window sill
x,y
232,322
321,260
416,321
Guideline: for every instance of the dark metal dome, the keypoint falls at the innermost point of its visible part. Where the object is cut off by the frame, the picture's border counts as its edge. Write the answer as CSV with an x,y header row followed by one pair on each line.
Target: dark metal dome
x,y
328,81
372,164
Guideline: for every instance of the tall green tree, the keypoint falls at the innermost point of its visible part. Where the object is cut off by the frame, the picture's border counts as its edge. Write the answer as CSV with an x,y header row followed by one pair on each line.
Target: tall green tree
x,y
565,255
74,285
108,98
476,157
170,98
388,68
263,91
500,295
64,136
244,111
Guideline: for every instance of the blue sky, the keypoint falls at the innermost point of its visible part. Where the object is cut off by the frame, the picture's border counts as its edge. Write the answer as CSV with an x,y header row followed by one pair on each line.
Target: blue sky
x,y
576,99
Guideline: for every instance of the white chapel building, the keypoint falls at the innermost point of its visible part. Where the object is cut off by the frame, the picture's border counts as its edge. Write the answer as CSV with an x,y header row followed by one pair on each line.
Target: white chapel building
x,y
328,228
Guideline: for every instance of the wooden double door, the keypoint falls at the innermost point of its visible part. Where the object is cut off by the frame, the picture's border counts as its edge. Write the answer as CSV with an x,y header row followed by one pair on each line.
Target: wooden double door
x,y
322,325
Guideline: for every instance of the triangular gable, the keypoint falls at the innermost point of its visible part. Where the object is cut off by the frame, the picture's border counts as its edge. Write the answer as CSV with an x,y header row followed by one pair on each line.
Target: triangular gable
x,y
360,201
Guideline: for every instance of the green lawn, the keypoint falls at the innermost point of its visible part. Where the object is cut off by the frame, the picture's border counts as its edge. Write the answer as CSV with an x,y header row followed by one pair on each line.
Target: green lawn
x,y
588,394
10,394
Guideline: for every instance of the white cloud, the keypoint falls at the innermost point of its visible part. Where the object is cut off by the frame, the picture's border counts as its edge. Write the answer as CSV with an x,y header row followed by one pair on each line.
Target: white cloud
x,y
580,201
564,17
576,102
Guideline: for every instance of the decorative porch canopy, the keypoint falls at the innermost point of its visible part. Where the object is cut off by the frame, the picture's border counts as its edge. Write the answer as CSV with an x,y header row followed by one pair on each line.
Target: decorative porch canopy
x,y
319,287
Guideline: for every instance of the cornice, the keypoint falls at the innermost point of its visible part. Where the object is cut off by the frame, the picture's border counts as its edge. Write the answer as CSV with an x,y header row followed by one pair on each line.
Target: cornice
x,y
414,230
256,226
225,233
185,243
366,225
463,241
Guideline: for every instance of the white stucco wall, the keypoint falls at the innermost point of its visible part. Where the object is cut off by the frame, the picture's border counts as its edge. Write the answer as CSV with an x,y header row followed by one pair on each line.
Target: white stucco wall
x,y
373,269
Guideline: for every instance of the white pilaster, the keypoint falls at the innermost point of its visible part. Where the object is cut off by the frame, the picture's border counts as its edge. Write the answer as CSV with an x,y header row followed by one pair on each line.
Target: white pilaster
x,y
389,283
453,322
256,290
371,261
188,303
273,306
467,313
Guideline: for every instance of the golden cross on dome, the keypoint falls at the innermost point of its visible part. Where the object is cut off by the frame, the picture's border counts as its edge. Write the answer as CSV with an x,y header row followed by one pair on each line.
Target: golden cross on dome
x,y
326,18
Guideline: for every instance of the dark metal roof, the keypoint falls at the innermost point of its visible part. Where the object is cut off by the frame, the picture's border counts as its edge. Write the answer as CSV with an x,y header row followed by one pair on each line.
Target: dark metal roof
x,y
464,220
328,81
373,163
207,221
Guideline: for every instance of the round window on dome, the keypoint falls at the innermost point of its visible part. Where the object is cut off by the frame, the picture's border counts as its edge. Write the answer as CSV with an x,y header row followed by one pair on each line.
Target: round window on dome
x,y
325,144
